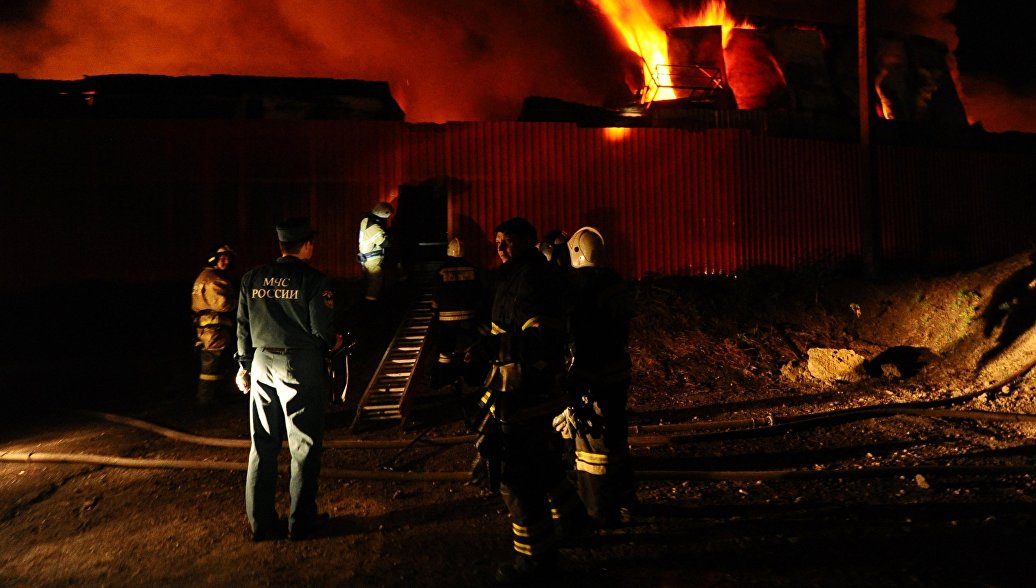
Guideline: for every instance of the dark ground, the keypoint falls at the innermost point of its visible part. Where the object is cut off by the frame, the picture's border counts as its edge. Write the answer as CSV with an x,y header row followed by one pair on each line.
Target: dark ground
x,y
705,350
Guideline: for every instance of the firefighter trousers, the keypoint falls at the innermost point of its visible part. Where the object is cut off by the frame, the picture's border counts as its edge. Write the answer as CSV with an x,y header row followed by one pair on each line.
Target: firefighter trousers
x,y
541,501
604,472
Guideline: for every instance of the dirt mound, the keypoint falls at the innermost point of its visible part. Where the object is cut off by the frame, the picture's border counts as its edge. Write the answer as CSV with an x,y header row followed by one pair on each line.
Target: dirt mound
x,y
704,340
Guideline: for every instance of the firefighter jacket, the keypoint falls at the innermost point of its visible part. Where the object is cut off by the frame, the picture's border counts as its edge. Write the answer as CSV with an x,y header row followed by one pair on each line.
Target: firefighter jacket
x,y
373,238
458,294
528,329
213,299
284,305
600,325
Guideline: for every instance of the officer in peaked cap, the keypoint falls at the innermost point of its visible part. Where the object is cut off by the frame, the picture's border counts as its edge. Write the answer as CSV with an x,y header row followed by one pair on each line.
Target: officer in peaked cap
x,y
285,327
295,230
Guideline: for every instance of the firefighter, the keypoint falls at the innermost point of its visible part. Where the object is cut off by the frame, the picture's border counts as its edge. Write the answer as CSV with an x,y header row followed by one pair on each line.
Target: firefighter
x,y
599,381
523,393
457,304
213,302
285,325
373,241
555,248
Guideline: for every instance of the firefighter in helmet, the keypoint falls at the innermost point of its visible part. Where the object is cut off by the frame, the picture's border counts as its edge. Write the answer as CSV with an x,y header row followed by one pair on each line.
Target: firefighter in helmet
x,y
457,303
373,241
214,303
554,247
523,393
599,381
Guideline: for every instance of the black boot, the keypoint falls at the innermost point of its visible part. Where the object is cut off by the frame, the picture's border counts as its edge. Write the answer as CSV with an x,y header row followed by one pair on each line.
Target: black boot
x,y
528,570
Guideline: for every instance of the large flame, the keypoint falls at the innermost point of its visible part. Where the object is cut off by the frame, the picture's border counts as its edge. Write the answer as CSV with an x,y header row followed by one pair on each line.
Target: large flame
x,y
647,38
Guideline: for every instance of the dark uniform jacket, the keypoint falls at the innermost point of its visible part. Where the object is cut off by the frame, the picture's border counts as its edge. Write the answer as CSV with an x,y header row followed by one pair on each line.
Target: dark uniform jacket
x,y
286,304
600,325
458,294
528,322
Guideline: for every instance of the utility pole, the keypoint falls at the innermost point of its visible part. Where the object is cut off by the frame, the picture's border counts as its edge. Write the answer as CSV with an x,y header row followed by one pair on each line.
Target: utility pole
x,y
870,221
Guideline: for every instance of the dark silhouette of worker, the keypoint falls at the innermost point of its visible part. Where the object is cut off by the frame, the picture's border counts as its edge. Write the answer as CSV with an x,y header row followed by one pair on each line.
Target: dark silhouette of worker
x,y
458,303
599,381
524,392
1013,303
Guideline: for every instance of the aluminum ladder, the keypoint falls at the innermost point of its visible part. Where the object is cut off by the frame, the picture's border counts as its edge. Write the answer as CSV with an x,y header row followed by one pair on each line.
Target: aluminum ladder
x,y
387,396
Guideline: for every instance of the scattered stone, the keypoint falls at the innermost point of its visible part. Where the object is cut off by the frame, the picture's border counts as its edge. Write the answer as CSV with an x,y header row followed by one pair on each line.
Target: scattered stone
x,y
835,365
890,371
793,372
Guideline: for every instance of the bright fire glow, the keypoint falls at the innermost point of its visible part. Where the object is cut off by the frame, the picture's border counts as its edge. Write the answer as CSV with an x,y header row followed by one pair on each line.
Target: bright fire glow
x,y
616,133
645,37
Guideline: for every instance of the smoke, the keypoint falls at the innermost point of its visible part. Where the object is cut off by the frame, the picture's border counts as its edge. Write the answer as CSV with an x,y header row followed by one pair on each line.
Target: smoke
x,y
998,106
445,60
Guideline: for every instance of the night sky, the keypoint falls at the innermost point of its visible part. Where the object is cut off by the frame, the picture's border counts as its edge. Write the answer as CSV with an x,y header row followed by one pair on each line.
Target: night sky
x,y
464,59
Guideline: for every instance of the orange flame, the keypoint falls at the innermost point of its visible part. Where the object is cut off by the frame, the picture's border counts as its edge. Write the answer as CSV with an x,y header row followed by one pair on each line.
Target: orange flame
x,y
645,37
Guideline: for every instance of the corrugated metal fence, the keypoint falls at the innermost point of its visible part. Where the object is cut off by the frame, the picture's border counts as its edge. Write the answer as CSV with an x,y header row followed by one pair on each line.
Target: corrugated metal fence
x,y
670,201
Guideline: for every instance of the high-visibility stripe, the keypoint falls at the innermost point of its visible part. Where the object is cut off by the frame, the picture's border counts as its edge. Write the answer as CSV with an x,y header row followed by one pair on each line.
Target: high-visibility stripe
x,y
592,463
456,315
210,377
207,320
535,539
548,545
596,458
564,502
543,322
458,274
532,530
497,330
592,469
445,358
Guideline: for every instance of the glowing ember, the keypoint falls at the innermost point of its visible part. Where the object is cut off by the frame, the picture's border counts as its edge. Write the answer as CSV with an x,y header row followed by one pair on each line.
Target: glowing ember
x,y
646,37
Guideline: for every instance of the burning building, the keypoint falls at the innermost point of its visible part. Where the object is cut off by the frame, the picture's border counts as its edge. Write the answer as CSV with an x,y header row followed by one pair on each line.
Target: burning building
x,y
711,60
732,144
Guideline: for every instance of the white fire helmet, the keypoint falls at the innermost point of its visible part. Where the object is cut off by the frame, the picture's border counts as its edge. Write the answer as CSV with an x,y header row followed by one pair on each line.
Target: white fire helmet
x,y
382,210
587,248
455,248
223,250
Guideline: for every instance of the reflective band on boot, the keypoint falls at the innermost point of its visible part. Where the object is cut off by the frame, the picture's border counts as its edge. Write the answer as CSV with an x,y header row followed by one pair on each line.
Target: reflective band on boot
x,y
534,540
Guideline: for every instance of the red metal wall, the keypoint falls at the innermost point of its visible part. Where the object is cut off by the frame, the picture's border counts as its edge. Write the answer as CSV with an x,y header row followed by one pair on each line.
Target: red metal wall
x,y
143,200
948,207
667,200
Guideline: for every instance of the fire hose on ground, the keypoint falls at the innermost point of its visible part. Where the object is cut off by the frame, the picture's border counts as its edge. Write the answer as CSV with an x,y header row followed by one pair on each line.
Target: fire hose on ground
x,y
926,408
446,476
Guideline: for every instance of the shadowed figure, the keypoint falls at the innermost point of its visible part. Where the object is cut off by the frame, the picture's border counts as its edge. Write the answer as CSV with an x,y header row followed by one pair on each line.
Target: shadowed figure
x,y
1014,304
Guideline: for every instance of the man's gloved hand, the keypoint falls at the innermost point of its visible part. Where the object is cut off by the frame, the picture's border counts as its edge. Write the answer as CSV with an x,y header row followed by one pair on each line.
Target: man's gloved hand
x,y
565,423
243,380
